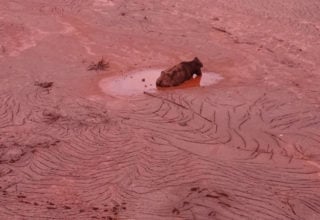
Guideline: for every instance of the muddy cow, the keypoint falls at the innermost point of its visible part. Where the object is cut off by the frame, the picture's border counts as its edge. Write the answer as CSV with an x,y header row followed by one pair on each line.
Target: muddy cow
x,y
177,74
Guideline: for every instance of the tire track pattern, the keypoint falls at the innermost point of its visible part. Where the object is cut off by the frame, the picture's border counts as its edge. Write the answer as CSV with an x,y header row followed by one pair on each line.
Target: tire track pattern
x,y
213,158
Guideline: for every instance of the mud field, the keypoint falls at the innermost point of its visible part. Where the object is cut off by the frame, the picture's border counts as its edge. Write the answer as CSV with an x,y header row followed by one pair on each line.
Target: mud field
x,y
244,146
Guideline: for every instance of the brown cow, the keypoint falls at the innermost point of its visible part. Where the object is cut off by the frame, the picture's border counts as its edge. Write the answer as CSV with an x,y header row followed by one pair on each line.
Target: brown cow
x,y
177,74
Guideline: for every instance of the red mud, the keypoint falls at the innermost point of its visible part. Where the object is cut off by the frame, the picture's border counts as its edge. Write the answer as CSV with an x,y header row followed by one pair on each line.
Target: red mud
x,y
245,147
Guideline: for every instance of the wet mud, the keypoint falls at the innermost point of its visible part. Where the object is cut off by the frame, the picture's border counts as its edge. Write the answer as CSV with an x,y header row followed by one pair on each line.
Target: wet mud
x,y
98,144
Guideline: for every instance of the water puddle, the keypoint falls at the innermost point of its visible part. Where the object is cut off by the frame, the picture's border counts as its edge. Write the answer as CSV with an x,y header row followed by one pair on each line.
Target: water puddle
x,y
145,80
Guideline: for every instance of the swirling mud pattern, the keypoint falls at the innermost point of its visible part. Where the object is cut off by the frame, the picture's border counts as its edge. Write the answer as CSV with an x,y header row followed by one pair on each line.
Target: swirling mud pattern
x,y
245,147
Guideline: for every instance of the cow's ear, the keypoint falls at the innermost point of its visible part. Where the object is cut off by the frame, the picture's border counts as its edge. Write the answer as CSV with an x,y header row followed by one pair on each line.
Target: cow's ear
x,y
196,59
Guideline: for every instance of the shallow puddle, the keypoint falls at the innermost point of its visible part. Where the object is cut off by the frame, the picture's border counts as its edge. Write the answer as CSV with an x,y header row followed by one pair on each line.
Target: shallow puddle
x,y
139,81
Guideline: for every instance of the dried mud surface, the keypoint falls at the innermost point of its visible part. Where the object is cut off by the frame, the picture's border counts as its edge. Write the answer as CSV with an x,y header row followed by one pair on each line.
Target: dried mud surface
x,y
246,148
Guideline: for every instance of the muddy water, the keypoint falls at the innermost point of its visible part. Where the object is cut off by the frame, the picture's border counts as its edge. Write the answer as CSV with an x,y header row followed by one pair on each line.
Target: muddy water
x,y
135,83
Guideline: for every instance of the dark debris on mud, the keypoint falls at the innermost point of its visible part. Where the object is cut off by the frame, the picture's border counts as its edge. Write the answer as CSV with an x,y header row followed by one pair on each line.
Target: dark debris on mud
x,y
100,65
44,85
